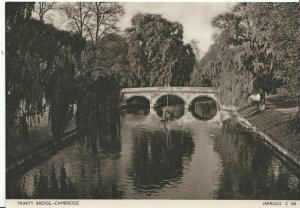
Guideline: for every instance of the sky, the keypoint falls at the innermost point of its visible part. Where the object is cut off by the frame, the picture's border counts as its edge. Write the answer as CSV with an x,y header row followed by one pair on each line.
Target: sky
x,y
195,18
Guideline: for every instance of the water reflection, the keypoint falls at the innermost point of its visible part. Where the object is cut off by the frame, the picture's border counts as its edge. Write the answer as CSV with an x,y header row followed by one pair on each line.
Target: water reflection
x,y
95,142
174,110
158,157
138,110
56,183
250,170
180,159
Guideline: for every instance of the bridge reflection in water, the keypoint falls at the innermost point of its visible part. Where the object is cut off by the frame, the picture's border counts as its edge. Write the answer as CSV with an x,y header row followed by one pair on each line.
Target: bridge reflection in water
x,y
182,159
185,158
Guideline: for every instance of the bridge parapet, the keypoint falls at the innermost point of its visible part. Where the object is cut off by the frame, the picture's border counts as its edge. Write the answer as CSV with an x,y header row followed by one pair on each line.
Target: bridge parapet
x,y
170,89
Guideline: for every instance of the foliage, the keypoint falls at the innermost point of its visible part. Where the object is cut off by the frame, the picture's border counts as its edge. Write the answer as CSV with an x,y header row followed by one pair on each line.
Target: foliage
x,y
16,14
42,8
220,68
97,116
113,57
109,58
294,123
39,69
47,68
256,50
156,53
104,56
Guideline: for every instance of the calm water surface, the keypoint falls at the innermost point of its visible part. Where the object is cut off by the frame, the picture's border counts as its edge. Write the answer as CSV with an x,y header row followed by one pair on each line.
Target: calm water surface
x,y
181,159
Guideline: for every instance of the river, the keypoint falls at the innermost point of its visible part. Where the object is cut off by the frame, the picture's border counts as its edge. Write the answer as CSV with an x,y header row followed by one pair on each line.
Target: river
x,y
185,158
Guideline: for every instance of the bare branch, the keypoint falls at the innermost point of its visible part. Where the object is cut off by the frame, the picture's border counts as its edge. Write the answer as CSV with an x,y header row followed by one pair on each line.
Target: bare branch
x,y
43,8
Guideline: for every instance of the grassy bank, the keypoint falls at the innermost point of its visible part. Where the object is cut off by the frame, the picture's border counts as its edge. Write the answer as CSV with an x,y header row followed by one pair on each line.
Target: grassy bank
x,y
274,120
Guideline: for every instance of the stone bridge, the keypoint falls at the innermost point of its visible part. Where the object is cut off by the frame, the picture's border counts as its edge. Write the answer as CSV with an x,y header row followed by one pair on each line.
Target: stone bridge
x,y
187,94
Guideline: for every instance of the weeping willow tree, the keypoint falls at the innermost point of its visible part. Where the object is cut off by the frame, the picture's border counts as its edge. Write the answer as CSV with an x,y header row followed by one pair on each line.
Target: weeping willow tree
x,y
97,93
97,117
222,67
47,68
39,69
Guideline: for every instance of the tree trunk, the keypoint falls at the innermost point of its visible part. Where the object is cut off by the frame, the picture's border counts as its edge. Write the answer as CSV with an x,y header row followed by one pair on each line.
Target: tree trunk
x,y
262,104
262,97
24,128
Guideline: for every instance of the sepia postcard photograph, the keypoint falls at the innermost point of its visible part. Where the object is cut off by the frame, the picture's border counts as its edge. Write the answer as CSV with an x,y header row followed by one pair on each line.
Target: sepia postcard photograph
x,y
152,100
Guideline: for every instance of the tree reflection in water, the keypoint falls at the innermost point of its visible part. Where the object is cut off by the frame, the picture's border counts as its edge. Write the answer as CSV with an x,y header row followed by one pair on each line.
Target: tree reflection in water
x,y
250,169
159,158
60,186
166,160
93,143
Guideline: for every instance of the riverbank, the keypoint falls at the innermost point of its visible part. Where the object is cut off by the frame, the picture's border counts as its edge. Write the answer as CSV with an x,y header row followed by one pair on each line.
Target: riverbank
x,y
272,124
39,152
40,137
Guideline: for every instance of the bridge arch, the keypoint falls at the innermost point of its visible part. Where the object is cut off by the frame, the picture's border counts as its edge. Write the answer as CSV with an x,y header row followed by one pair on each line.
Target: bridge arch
x,y
161,95
212,97
138,100
131,96
204,107
138,96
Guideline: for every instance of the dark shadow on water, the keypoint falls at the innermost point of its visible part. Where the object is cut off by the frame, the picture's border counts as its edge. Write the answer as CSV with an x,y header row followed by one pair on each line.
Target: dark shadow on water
x,y
95,143
159,158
